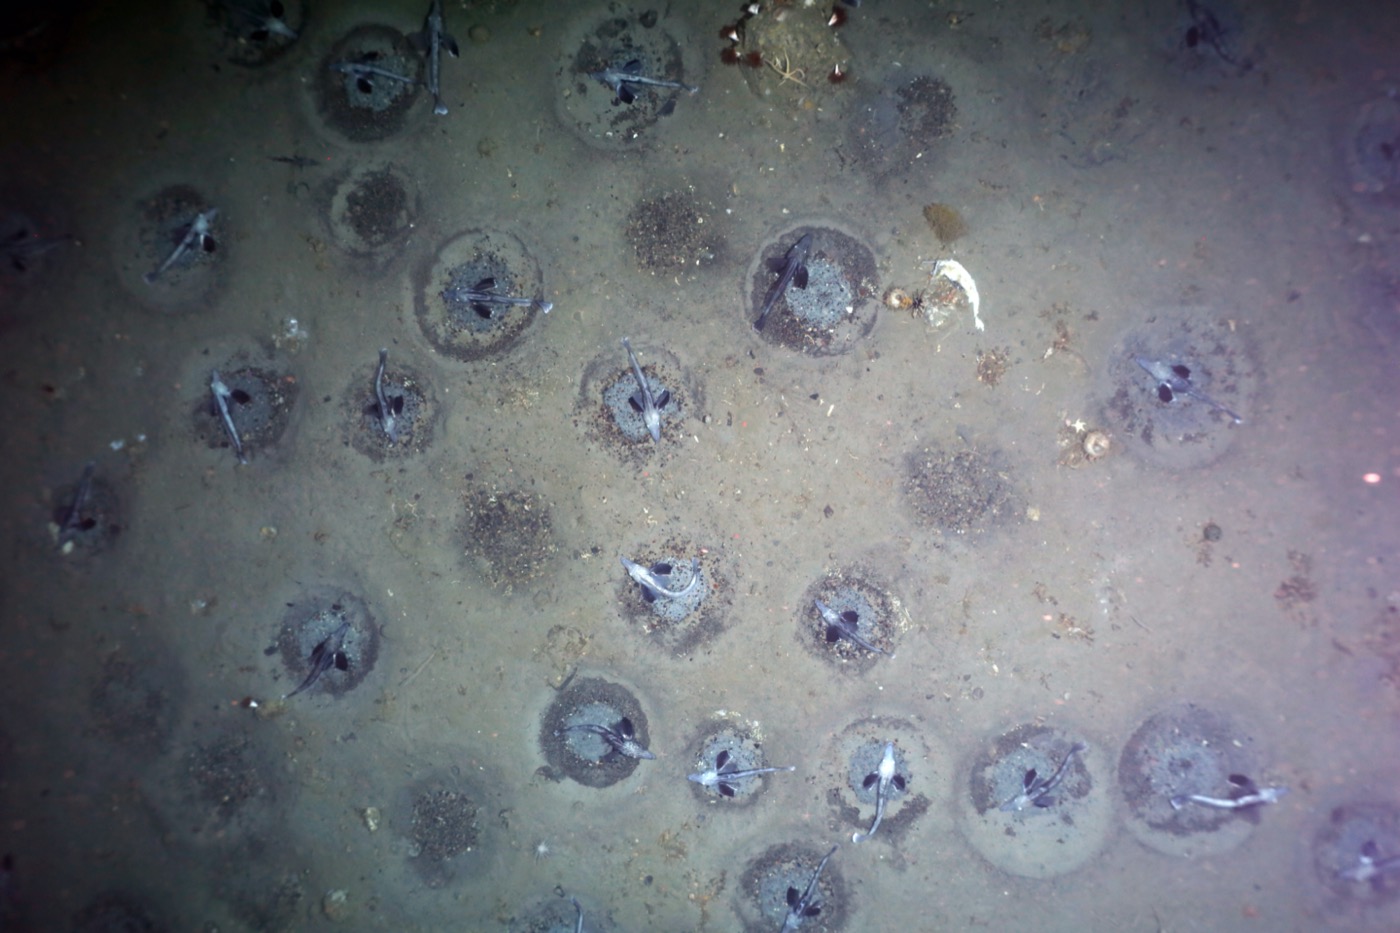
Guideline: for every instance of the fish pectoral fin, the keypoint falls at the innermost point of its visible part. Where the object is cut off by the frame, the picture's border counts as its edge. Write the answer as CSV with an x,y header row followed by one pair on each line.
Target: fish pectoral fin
x,y
1028,781
850,617
637,403
722,759
663,398
1045,801
1164,392
450,44
485,285
725,789
832,634
898,781
799,278
633,67
342,663
482,310
870,780
624,94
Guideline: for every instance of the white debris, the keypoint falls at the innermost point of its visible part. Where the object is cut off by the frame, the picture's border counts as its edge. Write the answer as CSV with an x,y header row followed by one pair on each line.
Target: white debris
x,y
953,271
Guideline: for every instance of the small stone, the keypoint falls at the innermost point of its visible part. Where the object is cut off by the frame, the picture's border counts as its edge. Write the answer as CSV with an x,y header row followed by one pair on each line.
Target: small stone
x,y
336,905
479,34
370,815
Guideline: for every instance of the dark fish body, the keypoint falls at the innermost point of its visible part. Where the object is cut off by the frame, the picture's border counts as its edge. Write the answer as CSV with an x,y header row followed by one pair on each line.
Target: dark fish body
x,y
364,74
803,906
431,41
483,294
1174,379
1247,794
388,417
844,625
1369,866
883,778
723,775
793,271
652,583
295,161
328,653
1035,790
643,400
620,737
197,235
631,73
221,397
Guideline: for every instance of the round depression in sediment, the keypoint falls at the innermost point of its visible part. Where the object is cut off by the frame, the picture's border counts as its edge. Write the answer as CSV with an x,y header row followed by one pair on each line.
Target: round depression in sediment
x,y
573,748
618,39
85,515
508,534
1354,858
1031,807
369,211
861,624
441,820
258,395
689,606
890,130
329,642
560,912
171,247
920,777
1174,386
254,33
34,241
763,899
1373,148
409,402
364,88
722,756
1186,749
477,296
610,406
677,232
231,786
834,311
138,695
963,491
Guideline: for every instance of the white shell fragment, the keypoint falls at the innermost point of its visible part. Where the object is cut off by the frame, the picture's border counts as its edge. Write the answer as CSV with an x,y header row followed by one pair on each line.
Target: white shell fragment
x,y
953,271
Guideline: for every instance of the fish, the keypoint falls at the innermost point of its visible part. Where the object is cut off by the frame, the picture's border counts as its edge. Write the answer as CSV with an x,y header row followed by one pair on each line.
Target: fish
x,y
792,270
364,73
1248,795
483,294
73,522
642,400
1206,29
295,161
1369,866
631,73
20,248
578,914
328,653
725,772
803,906
388,411
221,397
1036,790
431,41
196,234
884,777
261,20
621,736
1174,379
843,625
653,581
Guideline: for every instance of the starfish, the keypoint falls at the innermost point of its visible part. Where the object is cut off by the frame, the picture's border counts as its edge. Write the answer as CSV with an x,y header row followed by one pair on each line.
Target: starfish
x,y
783,66
1079,426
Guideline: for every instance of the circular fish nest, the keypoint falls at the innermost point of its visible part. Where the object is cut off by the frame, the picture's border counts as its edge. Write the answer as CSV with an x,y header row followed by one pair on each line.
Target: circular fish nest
x,y
442,824
1373,148
880,617
855,754
679,625
556,914
459,328
962,492
613,35
834,311
1354,830
309,623
410,398
254,33
744,753
137,697
94,528
1184,750
763,899
510,533
233,784
45,243
260,405
608,417
370,109
894,128
1037,842
676,232
1185,432
369,212
582,756
143,242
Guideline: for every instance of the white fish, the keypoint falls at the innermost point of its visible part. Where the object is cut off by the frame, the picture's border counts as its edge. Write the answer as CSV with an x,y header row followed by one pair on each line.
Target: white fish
x,y
953,271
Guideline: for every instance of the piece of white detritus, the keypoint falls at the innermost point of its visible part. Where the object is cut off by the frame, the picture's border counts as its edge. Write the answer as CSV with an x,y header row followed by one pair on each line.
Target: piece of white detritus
x,y
953,271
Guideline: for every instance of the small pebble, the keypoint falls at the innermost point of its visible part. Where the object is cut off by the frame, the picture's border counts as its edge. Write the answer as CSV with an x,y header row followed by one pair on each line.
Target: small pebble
x,y
479,34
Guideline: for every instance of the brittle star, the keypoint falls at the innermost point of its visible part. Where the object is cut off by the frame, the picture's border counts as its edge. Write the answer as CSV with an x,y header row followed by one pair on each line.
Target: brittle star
x,y
787,72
